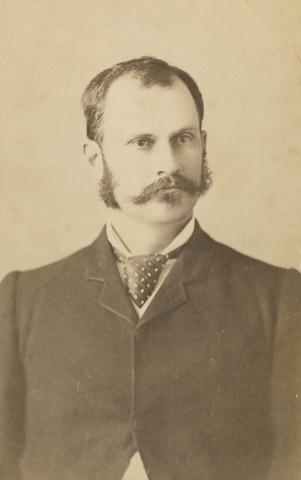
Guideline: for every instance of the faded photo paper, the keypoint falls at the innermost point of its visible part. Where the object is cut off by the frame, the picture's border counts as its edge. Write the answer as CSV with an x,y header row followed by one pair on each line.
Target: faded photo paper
x,y
150,236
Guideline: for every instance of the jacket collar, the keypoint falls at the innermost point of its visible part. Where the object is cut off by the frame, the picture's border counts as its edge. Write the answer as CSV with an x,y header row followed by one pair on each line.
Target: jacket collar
x,y
192,266
103,269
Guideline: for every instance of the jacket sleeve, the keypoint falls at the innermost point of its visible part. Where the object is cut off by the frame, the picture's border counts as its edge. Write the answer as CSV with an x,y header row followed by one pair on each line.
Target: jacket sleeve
x,y
12,383
286,382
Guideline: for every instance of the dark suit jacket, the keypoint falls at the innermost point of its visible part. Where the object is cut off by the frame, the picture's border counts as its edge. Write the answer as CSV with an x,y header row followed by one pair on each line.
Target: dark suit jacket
x,y
207,384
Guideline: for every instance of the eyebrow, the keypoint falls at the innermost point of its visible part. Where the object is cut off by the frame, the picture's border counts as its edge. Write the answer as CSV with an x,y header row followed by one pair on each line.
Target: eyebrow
x,y
189,128
137,135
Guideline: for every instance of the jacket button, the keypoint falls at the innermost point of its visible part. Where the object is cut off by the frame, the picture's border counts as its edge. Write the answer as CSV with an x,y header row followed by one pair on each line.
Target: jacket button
x,y
137,334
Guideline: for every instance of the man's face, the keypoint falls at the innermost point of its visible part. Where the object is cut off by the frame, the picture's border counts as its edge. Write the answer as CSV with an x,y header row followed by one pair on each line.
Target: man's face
x,y
152,150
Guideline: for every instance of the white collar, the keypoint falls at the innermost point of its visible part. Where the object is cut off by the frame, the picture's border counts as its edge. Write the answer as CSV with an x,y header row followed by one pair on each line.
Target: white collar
x,y
182,237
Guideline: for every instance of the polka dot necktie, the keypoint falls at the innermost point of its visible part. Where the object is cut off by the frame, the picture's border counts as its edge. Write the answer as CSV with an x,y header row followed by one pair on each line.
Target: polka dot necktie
x,y
141,273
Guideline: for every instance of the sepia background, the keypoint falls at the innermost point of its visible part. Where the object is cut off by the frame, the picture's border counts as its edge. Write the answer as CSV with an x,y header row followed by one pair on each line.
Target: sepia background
x,y
245,56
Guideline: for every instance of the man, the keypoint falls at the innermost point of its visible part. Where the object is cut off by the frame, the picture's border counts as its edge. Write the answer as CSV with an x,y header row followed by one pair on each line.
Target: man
x,y
155,342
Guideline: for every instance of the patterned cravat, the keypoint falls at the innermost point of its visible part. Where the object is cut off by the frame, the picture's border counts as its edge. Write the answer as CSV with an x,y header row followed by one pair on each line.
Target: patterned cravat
x,y
141,273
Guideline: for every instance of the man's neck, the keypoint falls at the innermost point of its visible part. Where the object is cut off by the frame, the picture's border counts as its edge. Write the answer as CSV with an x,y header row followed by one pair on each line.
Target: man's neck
x,y
145,238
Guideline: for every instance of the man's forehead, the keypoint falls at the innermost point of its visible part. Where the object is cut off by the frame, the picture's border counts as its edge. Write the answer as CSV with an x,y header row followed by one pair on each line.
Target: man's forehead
x,y
129,103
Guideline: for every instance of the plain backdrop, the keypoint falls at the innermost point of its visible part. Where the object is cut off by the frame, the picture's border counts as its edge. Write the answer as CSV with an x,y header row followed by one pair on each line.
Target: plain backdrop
x,y
245,56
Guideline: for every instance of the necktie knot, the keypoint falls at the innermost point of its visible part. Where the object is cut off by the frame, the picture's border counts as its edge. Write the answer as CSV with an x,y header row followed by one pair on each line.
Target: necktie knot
x,y
141,273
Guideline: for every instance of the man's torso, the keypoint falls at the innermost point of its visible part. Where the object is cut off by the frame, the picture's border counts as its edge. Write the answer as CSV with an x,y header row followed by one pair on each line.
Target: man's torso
x,y
193,386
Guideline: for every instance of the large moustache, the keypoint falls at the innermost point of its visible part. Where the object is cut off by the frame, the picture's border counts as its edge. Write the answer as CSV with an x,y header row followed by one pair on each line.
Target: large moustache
x,y
177,181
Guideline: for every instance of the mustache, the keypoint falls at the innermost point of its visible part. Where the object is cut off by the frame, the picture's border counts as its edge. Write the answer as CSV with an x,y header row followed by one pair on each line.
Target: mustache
x,y
176,180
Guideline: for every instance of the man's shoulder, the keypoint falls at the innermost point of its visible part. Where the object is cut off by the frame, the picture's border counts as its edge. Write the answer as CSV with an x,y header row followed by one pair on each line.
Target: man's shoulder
x,y
231,256
69,267
239,266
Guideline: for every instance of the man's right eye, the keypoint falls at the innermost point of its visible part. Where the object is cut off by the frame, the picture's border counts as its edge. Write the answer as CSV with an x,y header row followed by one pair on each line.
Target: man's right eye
x,y
143,143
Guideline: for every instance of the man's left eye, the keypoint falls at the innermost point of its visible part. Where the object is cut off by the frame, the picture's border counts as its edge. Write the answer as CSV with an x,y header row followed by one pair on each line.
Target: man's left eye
x,y
183,139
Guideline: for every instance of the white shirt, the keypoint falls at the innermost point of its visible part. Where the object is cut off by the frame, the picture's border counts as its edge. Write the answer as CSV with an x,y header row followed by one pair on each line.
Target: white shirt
x,y
135,470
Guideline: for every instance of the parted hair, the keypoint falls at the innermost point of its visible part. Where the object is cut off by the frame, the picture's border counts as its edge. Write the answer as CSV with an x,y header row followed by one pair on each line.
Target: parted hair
x,y
149,70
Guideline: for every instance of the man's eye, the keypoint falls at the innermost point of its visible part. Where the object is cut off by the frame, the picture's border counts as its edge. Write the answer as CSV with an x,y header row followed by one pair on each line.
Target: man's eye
x,y
183,139
143,142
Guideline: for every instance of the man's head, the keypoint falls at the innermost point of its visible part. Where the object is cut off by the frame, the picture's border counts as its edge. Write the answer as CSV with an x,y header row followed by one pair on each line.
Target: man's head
x,y
144,122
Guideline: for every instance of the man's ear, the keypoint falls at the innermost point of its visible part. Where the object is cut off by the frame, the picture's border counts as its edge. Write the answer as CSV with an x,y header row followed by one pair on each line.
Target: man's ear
x,y
92,152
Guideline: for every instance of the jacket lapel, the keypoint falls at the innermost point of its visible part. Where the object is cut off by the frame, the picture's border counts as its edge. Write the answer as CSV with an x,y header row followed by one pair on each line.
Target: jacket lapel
x,y
102,269
192,266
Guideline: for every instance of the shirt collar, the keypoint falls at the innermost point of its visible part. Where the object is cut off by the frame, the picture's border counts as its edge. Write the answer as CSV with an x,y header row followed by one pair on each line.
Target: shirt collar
x,y
182,237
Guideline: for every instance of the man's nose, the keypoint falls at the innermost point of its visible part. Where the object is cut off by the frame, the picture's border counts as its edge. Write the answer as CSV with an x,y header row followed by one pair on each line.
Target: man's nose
x,y
167,160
